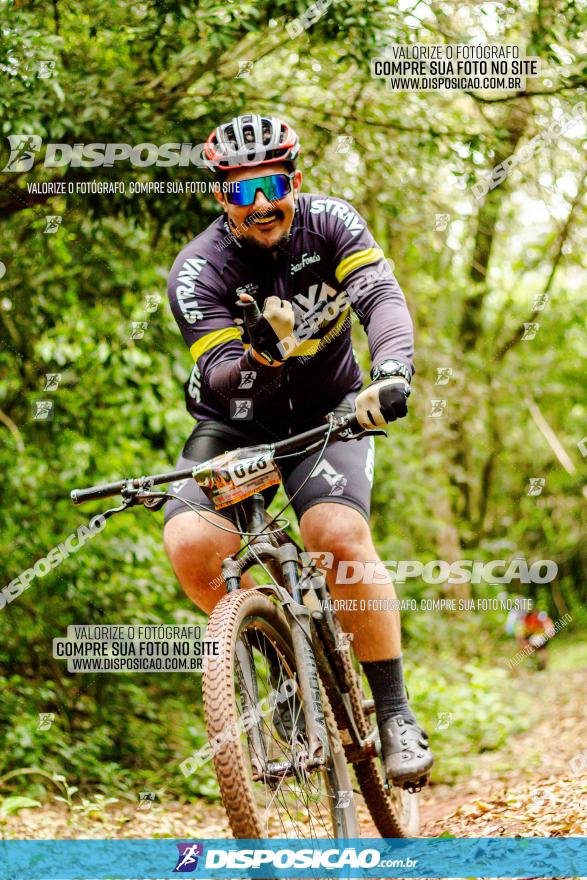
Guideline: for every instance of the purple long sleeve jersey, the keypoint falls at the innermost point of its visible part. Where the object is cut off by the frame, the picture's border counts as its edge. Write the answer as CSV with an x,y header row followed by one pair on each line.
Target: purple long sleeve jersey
x,y
329,265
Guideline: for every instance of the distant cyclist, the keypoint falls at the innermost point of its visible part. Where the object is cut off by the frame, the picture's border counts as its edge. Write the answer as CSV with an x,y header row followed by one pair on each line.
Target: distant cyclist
x,y
306,260
532,630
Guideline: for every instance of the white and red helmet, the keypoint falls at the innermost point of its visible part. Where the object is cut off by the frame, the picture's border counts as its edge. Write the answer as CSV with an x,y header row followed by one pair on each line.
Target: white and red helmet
x,y
250,140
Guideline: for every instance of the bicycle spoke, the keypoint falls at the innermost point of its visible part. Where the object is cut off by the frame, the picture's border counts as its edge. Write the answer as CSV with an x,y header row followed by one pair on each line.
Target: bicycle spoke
x,y
300,802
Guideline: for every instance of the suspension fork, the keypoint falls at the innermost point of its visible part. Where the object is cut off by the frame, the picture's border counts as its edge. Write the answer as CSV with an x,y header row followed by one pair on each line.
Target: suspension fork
x,y
318,751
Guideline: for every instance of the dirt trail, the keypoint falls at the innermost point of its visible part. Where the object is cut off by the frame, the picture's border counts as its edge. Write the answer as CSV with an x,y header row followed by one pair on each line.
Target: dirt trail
x,y
528,788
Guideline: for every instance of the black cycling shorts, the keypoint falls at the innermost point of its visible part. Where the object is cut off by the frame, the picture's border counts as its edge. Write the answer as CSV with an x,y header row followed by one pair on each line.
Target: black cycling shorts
x,y
344,474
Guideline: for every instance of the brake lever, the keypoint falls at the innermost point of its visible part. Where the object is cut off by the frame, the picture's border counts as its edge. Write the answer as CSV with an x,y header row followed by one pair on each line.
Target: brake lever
x,y
370,432
152,500
128,502
134,496
366,432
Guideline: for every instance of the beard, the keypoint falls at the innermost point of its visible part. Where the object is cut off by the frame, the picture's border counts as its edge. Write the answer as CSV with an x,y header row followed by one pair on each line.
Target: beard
x,y
259,247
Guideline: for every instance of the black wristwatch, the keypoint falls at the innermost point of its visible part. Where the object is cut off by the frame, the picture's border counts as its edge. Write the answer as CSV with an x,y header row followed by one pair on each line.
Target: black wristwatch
x,y
389,368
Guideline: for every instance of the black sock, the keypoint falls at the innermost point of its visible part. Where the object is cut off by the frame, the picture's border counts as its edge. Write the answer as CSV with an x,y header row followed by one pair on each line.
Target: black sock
x,y
386,680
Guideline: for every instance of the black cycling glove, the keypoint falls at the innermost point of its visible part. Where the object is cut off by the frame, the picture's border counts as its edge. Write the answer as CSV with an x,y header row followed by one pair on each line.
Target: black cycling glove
x,y
383,401
272,333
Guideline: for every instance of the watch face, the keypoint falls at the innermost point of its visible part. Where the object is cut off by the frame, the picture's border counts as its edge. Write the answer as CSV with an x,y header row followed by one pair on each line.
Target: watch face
x,y
392,368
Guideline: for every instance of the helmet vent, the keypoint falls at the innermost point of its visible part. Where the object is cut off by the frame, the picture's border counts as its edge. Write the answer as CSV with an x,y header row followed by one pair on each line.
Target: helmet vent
x,y
252,140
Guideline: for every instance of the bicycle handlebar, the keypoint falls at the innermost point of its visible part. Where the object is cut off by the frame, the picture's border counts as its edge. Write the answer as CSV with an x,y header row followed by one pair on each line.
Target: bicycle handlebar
x,y
107,490
78,496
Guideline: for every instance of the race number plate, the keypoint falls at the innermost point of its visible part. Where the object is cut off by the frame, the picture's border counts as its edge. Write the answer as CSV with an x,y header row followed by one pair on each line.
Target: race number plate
x,y
236,475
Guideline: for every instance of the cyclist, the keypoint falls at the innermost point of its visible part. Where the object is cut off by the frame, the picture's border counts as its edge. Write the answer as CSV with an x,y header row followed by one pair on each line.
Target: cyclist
x,y
305,260
532,630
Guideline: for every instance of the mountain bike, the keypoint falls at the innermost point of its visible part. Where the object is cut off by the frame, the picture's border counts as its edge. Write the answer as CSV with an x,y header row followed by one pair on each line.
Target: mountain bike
x,y
289,718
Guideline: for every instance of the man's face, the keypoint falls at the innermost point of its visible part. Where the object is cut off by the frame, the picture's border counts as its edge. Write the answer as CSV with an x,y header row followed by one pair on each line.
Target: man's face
x,y
264,223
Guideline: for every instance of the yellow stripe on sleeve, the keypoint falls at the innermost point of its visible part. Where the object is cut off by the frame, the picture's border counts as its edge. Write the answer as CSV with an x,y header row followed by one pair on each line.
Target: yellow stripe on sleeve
x,y
211,340
354,261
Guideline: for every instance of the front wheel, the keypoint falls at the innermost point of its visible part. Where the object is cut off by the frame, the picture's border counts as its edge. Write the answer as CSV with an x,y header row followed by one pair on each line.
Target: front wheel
x,y
255,721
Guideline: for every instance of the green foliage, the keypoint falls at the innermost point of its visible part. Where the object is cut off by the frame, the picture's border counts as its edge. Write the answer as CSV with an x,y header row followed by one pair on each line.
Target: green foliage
x,y
466,710
11,805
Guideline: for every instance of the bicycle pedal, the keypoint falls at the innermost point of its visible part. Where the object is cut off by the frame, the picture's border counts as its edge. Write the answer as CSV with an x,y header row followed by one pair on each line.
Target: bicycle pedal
x,y
415,787
410,785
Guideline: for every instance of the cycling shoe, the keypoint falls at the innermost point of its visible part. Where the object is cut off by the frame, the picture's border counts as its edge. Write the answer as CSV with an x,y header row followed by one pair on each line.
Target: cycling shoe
x,y
406,753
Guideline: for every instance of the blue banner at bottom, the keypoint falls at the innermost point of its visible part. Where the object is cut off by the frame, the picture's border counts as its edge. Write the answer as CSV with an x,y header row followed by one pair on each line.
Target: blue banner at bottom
x,y
527,857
